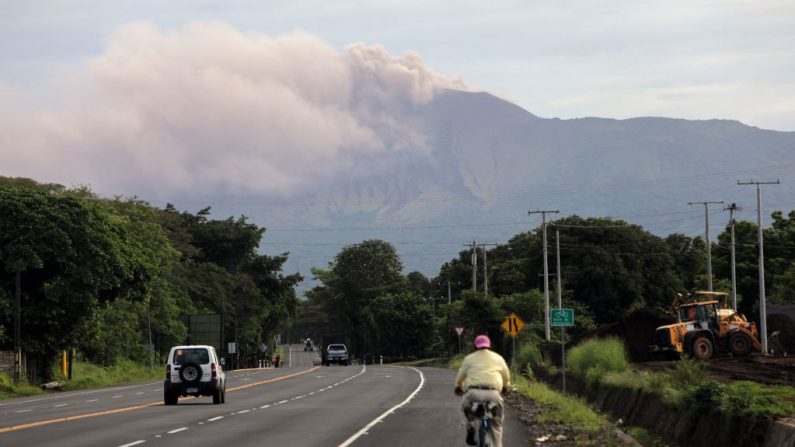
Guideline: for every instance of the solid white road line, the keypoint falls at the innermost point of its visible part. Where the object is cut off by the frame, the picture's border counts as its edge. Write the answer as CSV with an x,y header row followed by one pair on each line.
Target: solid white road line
x,y
177,430
383,415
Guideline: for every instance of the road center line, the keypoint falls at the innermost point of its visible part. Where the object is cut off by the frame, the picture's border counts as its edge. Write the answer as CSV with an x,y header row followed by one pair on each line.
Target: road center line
x,y
383,415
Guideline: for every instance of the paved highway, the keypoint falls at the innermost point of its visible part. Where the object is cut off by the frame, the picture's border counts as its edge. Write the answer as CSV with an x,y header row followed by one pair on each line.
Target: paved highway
x,y
298,405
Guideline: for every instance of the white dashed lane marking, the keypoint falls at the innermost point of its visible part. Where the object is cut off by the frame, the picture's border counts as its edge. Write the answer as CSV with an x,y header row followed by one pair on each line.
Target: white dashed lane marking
x,y
59,405
215,418
91,400
23,411
140,441
177,430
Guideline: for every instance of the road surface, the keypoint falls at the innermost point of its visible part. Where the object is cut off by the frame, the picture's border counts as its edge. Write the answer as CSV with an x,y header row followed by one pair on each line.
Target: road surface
x,y
297,405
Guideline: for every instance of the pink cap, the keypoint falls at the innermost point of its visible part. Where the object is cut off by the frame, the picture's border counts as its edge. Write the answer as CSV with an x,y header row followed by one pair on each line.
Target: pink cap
x,y
482,341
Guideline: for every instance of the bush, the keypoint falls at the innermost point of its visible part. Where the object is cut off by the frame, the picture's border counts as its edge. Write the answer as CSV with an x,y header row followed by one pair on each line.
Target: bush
x,y
594,358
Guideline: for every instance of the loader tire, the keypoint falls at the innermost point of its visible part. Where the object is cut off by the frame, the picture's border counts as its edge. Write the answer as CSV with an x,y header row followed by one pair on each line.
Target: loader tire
x,y
740,344
702,348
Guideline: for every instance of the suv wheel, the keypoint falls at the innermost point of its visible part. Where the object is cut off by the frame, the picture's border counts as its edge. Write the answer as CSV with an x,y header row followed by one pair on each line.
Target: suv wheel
x,y
190,373
217,396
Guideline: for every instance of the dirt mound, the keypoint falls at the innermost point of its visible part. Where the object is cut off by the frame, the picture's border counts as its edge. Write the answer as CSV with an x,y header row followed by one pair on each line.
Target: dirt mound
x,y
638,331
786,327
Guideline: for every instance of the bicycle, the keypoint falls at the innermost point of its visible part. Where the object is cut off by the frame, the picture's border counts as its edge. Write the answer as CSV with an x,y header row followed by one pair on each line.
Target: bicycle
x,y
484,411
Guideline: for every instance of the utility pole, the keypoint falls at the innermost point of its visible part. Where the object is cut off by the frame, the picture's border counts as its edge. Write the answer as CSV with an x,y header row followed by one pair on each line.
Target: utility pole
x,y
449,293
760,236
557,272
485,272
558,280
486,269
543,214
18,329
473,246
151,347
732,209
706,232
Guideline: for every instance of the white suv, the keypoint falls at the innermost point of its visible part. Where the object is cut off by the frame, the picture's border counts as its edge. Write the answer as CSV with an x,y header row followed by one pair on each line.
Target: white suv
x,y
194,371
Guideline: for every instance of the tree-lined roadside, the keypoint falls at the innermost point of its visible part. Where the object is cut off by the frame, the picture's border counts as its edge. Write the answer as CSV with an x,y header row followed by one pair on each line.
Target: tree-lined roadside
x,y
97,275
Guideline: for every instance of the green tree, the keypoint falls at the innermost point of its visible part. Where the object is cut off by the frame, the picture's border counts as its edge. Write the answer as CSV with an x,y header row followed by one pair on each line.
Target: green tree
x,y
404,324
72,255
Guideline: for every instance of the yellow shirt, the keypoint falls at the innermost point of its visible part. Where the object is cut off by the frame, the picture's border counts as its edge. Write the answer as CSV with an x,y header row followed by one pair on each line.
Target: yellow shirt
x,y
485,368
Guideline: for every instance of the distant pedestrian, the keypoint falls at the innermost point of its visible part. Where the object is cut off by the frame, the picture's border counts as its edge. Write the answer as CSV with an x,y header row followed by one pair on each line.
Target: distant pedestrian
x,y
277,360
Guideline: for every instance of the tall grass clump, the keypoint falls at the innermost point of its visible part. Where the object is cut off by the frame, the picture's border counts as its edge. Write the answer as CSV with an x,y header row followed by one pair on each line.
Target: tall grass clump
x,y
87,375
687,372
9,389
595,358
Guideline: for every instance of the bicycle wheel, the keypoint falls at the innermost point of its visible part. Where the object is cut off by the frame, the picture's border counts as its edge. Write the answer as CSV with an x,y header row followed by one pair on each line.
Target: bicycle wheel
x,y
484,434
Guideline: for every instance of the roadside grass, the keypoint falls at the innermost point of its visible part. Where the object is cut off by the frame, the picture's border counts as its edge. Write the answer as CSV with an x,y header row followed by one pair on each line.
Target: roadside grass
x,y
595,358
569,410
9,390
88,375
686,387
456,361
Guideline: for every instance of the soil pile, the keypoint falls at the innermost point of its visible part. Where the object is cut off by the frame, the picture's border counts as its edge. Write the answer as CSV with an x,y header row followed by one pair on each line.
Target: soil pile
x,y
785,325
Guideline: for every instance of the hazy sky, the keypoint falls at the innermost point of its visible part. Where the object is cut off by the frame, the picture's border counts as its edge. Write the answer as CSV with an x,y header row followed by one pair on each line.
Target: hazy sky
x,y
560,58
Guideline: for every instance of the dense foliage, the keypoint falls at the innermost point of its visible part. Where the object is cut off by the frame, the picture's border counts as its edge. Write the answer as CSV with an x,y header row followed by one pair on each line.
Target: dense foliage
x,y
97,274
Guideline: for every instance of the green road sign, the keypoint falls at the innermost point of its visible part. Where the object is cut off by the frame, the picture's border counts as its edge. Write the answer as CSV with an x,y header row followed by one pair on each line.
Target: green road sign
x,y
561,317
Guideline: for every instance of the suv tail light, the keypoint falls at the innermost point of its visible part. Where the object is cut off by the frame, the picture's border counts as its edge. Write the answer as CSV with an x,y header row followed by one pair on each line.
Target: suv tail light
x,y
215,370
168,371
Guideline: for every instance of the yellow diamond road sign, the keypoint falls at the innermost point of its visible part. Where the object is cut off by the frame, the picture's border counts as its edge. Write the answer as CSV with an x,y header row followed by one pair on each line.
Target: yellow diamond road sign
x,y
513,325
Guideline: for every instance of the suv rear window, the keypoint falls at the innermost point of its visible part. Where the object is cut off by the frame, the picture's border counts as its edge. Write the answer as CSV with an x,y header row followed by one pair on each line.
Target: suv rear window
x,y
192,355
336,347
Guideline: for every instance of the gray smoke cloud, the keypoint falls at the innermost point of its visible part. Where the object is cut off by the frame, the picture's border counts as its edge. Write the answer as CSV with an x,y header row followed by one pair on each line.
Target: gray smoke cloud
x,y
207,107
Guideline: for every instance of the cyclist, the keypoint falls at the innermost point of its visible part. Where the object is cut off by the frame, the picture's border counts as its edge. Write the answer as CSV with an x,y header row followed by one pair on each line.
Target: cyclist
x,y
483,376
